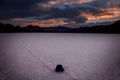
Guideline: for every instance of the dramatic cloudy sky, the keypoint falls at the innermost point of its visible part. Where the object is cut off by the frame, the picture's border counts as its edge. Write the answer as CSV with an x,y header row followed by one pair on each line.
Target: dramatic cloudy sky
x,y
46,13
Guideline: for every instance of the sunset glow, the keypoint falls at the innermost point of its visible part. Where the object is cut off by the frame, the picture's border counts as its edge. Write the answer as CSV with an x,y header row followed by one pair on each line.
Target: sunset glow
x,y
50,3
50,13
106,13
46,23
62,1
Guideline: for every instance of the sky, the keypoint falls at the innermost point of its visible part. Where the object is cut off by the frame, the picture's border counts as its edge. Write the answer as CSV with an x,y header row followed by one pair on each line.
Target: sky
x,y
49,13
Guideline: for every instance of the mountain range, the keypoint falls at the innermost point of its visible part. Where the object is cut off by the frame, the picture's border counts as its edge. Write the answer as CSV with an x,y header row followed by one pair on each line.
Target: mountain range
x,y
113,28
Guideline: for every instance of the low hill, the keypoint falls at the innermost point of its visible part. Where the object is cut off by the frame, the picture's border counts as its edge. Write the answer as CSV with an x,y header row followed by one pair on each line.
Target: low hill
x,y
114,28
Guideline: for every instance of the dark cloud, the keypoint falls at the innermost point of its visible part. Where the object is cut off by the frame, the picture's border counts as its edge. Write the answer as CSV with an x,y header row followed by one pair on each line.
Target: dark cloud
x,y
71,14
80,19
104,3
19,3
73,11
18,8
67,13
27,8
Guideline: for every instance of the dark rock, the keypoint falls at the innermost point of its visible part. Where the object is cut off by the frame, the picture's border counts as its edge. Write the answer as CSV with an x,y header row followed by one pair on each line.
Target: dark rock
x,y
59,68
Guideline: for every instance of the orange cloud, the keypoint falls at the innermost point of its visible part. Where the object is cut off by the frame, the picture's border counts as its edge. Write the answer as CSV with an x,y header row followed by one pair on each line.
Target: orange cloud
x,y
53,2
42,23
12,20
105,13
58,1
17,19
46,22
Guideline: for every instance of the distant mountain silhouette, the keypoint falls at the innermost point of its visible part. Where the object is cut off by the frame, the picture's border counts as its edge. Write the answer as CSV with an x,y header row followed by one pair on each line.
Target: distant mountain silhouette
x,y
58,29
9,28
114,28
